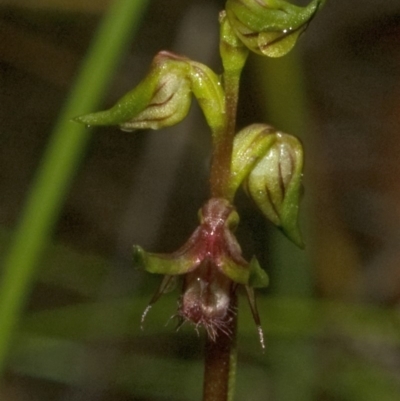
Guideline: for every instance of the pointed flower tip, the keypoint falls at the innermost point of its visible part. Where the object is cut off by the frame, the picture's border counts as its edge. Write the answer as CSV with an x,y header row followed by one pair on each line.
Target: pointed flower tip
x,y
295,236
91,119
139,256
79,119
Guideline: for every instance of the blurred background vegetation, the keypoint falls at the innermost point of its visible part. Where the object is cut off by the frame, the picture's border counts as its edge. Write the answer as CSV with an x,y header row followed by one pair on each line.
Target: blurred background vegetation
x,y
74,200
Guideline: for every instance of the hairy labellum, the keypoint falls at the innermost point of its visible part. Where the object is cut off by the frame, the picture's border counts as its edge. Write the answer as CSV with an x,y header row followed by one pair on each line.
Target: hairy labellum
x,y
206,299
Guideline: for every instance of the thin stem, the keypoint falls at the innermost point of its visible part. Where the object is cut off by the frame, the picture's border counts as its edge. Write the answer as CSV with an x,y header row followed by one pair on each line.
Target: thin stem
x,y
223,143
220,355
220,361
234,56
59,164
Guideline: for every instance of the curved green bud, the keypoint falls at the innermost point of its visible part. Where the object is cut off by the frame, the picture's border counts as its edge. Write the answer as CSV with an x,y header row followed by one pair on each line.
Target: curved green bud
x,y
162,99
275,184
249,146
269,27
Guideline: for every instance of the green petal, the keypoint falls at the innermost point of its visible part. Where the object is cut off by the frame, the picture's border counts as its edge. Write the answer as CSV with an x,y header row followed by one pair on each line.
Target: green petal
x,y
163,264
236,272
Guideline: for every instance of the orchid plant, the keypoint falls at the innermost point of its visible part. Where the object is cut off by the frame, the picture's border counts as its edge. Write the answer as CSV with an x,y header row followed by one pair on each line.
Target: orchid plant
x,y
265,162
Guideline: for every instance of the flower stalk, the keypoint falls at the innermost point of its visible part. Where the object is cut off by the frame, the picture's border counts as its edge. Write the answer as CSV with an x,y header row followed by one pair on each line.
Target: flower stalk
x,y
234,55
220,361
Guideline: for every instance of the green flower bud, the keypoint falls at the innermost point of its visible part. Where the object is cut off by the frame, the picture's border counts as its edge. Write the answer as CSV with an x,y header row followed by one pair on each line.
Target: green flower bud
x,y
275,184
269,27
269,165
162,99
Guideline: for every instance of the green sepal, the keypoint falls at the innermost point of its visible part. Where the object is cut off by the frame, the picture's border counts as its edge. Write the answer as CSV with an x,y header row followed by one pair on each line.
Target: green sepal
x,y
127,108
269,27
162,264
258,277
291,202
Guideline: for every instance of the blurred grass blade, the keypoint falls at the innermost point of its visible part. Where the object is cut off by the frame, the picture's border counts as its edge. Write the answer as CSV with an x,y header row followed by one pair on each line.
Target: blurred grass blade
x,y
59,163
66,362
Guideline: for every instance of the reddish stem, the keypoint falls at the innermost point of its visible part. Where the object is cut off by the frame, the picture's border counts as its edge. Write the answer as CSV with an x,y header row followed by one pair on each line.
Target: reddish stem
x,y
223,143
220,359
